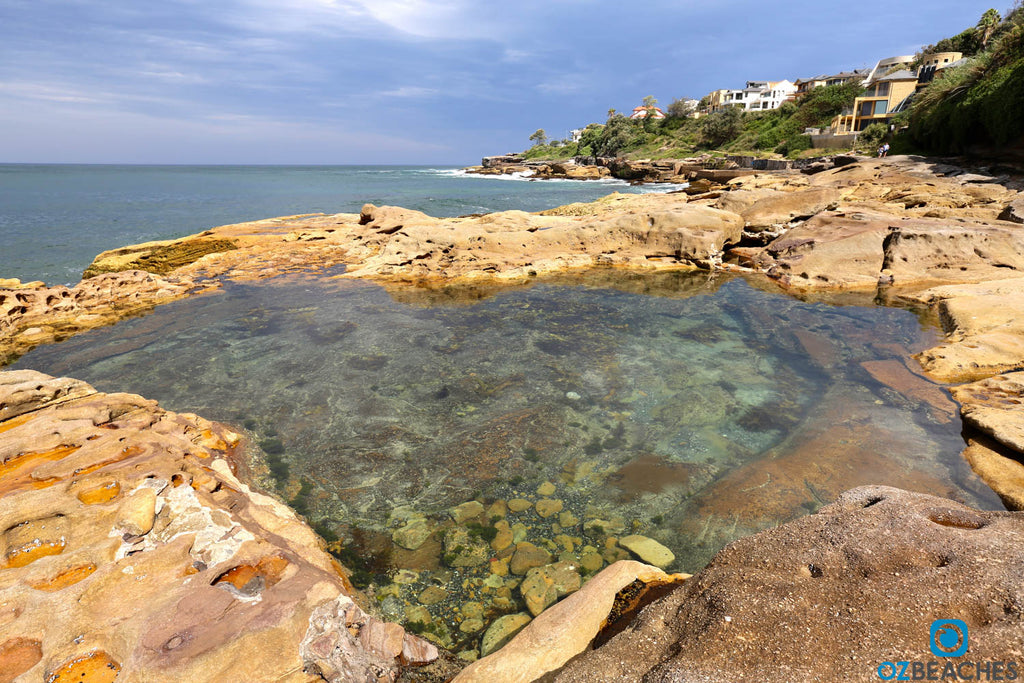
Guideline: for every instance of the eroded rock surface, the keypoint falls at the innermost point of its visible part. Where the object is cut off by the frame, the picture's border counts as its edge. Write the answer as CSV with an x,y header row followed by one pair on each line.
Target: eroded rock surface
x,y
130,547
830,597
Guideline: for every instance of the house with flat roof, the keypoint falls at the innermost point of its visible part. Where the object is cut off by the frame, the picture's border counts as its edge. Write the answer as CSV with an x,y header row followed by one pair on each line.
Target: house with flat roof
x,y
755,96
890,93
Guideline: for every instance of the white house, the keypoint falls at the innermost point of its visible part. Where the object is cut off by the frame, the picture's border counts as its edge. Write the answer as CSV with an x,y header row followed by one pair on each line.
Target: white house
x,y
756,96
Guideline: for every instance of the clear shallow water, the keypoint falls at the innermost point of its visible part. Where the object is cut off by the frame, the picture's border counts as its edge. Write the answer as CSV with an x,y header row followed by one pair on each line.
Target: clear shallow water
x,y
55,218
689,410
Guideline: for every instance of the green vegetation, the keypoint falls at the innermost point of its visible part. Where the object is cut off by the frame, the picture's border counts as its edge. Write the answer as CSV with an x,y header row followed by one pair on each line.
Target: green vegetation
x,y
731,130
979,103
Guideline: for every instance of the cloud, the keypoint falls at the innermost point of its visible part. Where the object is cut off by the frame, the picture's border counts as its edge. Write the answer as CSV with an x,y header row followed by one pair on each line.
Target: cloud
x,y
411,91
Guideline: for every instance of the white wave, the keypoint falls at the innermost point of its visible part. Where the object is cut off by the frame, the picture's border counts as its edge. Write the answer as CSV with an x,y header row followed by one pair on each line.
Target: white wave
x,y
525,176
663,188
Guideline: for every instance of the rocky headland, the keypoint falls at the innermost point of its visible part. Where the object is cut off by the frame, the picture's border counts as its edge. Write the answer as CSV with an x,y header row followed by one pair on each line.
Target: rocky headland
x,y
135,548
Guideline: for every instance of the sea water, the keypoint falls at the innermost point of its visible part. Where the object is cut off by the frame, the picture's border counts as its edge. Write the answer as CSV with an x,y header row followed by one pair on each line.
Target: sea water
x,y
55,218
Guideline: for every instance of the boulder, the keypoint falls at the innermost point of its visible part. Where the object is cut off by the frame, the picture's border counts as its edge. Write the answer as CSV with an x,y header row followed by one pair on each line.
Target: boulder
x,y
833,250
1014,211
833,594
779,210
502,630
648,550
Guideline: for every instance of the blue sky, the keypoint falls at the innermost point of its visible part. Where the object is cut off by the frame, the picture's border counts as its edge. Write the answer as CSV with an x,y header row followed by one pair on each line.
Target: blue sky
x,y
399,81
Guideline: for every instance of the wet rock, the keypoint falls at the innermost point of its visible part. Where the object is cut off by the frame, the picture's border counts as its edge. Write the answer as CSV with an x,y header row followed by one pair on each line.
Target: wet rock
x,y
545,489
431,595
467,511
547,507
993,407
879,561
503,538
413,534
1003,474
526,557
567,519
519,505
462,549
471,625
648,550
591,561
544,585
501,631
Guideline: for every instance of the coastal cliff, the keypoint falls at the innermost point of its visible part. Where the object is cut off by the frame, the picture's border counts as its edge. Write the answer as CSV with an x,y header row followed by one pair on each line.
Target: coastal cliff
x,y
168,518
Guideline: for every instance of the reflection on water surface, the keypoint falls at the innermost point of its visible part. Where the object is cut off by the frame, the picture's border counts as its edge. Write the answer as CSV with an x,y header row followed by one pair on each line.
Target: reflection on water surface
x,y
687,410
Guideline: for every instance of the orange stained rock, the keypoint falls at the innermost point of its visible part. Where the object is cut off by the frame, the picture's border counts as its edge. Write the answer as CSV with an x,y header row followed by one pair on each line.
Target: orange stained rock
x,y
17,656
16,473
68,577
102,493
30,552
15,422
92,667
269,569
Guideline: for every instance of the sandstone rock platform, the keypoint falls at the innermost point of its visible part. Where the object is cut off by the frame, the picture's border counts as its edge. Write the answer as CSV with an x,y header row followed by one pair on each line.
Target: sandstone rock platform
x,y
130,549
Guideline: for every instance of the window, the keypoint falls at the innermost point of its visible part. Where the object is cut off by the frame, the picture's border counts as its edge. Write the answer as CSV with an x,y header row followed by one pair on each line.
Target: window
x,y
882,90
880,107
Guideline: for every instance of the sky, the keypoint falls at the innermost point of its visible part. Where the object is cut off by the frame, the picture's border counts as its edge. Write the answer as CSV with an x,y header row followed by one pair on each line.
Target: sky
x,y
400,81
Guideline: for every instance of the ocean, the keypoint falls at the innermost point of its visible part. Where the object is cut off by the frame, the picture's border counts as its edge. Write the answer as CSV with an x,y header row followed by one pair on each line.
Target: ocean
x,y
55,218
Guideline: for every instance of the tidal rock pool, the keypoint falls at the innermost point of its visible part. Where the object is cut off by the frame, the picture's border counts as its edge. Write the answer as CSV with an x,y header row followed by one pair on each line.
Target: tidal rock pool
x,y
472,454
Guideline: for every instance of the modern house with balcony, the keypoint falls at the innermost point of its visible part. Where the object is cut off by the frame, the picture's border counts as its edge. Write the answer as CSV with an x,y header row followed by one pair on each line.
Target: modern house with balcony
x,y
890,94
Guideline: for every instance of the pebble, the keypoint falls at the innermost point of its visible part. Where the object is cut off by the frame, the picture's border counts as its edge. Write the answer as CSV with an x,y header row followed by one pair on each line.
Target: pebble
x,y
572,396
545,489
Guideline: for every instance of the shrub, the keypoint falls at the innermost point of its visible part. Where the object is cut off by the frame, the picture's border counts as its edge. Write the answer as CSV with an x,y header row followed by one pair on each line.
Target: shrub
x,y
721,127
873,134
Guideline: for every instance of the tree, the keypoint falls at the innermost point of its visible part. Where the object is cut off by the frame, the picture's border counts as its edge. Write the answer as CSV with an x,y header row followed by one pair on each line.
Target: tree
x,y
650,102
539,137
987,25
818,107
680,108
721,127
612,113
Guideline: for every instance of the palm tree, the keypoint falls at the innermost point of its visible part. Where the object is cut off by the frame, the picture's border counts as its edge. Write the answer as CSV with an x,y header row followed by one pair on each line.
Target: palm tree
x,y
987,25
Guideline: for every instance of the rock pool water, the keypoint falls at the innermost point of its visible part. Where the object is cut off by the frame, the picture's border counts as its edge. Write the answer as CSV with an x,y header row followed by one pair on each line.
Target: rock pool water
x,y
686,409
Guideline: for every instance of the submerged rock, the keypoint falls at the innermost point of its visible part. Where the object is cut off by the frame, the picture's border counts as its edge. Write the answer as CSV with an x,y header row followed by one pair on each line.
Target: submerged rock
x,y
648,550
